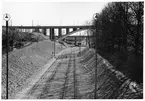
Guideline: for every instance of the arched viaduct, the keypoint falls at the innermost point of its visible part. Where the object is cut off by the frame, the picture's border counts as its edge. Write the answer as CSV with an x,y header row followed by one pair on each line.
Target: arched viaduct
x,y
51,29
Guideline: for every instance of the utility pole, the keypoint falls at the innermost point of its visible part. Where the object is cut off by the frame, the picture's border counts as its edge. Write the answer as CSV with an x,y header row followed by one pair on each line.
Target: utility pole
x,y
61,33
7,18
95,93
32,22
32,25
80,43
54,44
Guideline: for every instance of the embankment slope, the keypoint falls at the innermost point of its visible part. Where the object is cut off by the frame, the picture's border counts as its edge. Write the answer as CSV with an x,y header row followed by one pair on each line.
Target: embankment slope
x,y
111,84
24,63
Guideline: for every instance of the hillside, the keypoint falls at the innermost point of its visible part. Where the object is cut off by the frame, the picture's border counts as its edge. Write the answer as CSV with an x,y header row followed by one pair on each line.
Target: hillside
x,y
24,63
111,83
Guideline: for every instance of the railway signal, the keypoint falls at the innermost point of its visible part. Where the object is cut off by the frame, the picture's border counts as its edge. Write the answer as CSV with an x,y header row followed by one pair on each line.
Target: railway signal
x,y
95,16
7,18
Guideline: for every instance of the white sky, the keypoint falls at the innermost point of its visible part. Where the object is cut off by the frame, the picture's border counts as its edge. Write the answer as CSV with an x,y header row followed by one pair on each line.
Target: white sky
x,y
51,13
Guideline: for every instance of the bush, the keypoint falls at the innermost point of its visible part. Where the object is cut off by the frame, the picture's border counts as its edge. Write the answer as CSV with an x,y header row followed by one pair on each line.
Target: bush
x,y
18,39
135,64
129,64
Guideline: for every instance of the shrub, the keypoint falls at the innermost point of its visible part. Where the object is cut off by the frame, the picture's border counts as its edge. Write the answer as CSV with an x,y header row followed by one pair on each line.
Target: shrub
x,y
17,39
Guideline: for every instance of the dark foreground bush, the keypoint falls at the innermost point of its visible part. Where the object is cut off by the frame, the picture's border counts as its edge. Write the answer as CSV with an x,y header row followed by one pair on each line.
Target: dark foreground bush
x,y
129,64
19,39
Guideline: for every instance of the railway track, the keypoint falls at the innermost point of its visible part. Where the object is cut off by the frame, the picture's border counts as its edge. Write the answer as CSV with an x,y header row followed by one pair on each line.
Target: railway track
x,y
49,83
74,76
71,72
42,78
68,78
43,87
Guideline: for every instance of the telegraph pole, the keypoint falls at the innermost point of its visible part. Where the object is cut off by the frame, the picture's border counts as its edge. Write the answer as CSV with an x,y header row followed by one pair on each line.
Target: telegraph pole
x,y
80,43
61,33
54,44
32,22
95,93
7,18
32,25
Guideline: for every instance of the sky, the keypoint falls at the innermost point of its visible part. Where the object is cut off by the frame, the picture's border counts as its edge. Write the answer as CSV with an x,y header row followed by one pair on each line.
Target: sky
x,y
51,13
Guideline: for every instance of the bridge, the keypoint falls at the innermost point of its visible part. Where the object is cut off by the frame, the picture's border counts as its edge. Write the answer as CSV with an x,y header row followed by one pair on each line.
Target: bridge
x,y
51,29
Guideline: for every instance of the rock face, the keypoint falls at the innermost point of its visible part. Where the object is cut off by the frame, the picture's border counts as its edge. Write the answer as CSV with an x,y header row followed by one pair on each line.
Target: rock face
x,y
111,84
25,62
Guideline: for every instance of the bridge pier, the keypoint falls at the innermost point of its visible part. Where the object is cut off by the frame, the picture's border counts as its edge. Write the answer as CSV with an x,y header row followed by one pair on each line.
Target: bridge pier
x,y
74,29
51,34
59,32
37,30
67,30
44,31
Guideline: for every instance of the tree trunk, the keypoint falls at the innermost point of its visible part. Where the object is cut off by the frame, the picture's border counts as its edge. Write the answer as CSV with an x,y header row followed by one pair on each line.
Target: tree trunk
x,y
138,29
